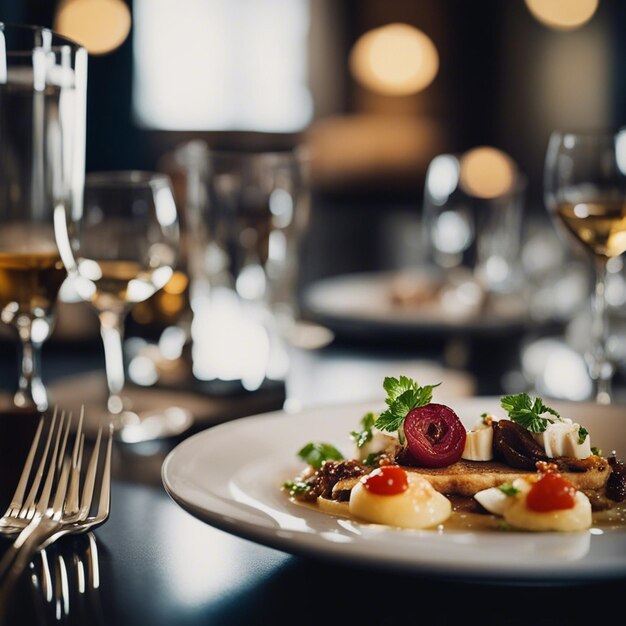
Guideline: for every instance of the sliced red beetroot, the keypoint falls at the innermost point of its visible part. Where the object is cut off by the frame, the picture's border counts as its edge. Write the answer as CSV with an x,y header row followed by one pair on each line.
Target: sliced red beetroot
x,y
435,436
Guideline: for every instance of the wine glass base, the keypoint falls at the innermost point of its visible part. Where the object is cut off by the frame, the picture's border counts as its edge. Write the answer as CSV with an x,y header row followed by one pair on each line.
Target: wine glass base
x,y
140,426
150,414
131,427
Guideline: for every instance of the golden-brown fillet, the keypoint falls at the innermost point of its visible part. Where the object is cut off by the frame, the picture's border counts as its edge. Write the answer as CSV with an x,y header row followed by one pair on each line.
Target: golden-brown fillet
x,y
465,478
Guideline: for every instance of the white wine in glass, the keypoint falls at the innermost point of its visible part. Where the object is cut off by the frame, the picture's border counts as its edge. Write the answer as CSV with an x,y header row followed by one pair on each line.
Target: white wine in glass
x,y
585,191
119,251
42,156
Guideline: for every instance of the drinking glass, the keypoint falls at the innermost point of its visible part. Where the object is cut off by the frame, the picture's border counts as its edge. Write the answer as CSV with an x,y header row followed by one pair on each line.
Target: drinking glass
x,y
585,192
246,214
42,157
466,231
119,250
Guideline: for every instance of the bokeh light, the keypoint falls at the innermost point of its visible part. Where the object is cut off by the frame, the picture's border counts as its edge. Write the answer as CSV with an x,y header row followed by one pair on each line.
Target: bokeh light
x,y
487,172
563,14
99,25
395,60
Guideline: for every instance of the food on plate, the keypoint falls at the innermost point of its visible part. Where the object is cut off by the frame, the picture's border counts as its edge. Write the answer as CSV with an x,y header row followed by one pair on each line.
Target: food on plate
x,y
434,434
389,495
415,465
479,440
544,502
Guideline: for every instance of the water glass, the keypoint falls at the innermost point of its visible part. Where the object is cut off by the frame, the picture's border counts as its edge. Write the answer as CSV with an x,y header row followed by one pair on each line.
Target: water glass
x,y
468,230
246,212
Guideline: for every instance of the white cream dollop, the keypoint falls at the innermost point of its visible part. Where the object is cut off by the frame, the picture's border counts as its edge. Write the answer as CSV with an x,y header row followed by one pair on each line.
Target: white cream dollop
x,y
479,442
419,506
561,438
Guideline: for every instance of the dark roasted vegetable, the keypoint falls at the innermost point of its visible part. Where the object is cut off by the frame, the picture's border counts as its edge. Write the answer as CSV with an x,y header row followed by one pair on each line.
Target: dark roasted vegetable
x,y
515,446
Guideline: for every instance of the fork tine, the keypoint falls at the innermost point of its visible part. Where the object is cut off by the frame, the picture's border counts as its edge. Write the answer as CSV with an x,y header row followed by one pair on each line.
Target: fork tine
x,y
63,468
18,496
104,502
72,504
59,497
44,497
90,477
26,510
64,444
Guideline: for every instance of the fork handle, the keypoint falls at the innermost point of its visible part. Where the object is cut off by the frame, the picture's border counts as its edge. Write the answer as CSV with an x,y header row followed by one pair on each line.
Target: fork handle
x,y
27,543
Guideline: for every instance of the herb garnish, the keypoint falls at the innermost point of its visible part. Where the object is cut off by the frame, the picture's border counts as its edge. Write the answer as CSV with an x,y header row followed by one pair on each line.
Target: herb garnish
x,y
403,395
508,490
296,487
529,413
487,419
582,434
316,454
361,437
596,451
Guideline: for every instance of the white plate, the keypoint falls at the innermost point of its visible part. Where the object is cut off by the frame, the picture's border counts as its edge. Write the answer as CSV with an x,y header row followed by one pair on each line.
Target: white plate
x,y
362,303
230,477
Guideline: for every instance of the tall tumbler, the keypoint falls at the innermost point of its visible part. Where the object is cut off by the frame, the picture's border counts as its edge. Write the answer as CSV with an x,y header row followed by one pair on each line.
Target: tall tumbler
x,y
474,231
43,82
246,213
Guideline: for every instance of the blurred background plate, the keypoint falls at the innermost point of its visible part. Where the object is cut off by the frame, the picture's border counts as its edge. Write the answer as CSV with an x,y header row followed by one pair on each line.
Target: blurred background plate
x,y
367,303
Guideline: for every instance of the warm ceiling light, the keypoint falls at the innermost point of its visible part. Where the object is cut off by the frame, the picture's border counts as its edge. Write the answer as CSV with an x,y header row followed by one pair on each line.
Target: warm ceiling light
x,y
563,14
487,172
99,25
395,60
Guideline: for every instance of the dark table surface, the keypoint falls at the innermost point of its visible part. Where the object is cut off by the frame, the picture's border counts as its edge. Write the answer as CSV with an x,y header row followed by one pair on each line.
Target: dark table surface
x,y
153,563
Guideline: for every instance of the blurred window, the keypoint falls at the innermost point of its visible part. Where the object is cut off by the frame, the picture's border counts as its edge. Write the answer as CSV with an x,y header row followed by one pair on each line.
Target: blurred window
x,y
222,64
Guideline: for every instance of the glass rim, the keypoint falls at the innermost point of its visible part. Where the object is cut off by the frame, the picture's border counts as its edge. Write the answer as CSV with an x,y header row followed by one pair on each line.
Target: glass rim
x,y
125,178
58,39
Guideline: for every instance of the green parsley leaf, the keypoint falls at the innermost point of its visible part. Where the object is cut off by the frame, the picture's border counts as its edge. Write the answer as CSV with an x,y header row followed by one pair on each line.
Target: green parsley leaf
x,y
582,434
403,395
361,437
529,413
316,453
596,451
395,387
296,487
508,490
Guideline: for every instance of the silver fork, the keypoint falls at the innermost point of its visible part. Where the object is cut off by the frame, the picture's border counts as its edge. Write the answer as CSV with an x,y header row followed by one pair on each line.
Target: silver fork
x,y
22,507
35,520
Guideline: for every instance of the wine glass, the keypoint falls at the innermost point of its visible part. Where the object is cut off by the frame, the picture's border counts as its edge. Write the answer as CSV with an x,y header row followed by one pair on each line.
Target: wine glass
x,y
119,250
585,191
42,156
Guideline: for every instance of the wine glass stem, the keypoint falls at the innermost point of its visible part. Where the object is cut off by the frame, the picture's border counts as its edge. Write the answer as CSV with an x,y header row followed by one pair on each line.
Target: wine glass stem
x,y
112,331
601,369
30,392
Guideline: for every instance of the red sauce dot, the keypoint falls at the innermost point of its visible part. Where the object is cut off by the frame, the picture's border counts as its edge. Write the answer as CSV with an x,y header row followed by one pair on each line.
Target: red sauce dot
x,y
551,492
389,480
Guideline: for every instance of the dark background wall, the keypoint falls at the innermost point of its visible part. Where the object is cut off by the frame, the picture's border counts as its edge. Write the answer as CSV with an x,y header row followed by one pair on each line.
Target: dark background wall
x,y
504,80
487,90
